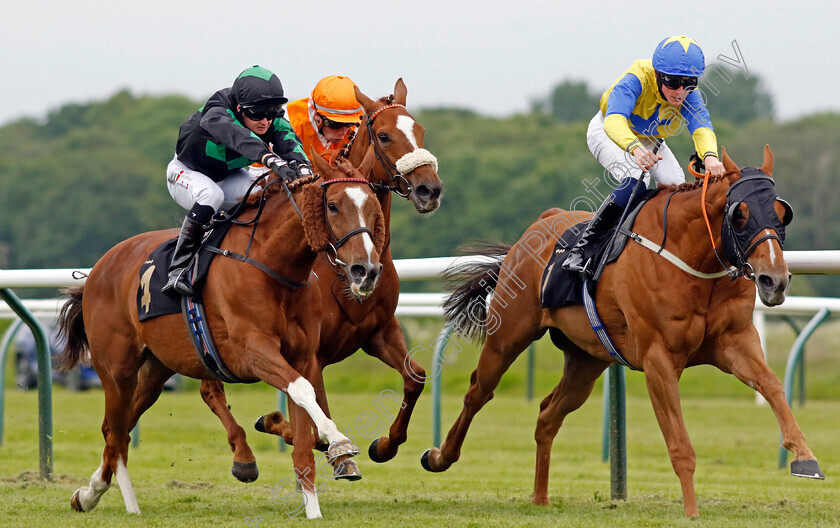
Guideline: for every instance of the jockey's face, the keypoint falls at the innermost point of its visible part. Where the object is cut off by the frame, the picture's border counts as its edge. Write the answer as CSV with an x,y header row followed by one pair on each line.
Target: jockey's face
x,y
674,97
257,127
332,130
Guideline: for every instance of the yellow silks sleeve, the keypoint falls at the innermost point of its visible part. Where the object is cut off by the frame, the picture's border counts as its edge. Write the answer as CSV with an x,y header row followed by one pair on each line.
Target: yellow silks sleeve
x,y
616,127
705,142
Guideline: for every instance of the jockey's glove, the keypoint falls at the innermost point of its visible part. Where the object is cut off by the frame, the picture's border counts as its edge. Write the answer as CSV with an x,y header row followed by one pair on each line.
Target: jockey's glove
x,y
279,168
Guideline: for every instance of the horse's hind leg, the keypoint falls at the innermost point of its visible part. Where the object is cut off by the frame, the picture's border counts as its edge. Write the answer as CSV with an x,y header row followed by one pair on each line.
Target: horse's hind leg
x,y
244,463
118,372
744,358
579,375
389,346
501,348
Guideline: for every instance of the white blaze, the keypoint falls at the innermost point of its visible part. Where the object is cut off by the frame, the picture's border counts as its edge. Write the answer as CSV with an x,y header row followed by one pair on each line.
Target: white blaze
x,y
358,197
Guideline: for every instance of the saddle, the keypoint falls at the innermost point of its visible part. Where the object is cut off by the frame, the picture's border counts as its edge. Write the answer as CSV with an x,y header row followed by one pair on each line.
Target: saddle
x,y
153,275
560,287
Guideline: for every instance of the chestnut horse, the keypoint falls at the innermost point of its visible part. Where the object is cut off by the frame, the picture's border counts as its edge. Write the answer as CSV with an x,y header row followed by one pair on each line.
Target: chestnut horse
x,y
263,328
409,170
679,320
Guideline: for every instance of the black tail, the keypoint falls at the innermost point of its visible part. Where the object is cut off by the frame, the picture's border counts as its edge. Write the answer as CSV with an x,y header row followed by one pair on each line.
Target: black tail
x,y
72,329
466,307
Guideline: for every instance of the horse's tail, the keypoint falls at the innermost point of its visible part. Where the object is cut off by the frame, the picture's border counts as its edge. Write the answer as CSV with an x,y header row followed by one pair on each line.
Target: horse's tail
x,y
465,309
72,329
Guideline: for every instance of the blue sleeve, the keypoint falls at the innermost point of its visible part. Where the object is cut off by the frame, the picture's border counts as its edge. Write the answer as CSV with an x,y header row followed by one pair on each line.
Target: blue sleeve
x,y
623,96
695,113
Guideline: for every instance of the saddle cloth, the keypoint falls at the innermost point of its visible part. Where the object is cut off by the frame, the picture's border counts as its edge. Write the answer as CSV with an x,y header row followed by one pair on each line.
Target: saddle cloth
x,y
154,272
561,288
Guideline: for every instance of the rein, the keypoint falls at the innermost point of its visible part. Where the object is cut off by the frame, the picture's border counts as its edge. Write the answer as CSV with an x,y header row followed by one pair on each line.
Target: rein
x,y
240,208
734,273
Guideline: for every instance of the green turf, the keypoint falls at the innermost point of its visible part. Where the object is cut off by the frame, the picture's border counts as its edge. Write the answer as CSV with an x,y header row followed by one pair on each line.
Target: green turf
x,y
181,470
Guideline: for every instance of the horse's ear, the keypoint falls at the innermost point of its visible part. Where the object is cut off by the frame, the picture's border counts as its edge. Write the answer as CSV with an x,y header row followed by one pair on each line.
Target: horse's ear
x,y
321,166
767,166
366,102
314,224
368,162
728,164
400,92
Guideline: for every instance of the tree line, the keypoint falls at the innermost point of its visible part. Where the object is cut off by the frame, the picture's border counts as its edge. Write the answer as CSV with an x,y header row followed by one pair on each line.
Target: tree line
x,y
90,175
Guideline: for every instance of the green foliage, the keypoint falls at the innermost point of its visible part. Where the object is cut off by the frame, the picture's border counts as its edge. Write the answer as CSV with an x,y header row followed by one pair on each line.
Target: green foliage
x,y
569,101
730,96
92,174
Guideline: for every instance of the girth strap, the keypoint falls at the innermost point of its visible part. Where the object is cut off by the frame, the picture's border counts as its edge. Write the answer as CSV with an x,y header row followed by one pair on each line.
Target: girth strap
x,y
599,329
262,267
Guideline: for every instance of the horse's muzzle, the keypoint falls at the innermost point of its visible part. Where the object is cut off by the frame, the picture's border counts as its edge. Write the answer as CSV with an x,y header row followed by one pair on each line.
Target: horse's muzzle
x,y
363,279
772,287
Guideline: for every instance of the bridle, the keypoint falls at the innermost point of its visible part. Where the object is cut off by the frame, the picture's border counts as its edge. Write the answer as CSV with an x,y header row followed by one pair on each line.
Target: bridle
x,y
336,243
241,206
404,165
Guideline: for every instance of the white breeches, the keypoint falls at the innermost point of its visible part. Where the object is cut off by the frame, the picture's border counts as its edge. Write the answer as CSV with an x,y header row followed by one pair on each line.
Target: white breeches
x,y
622,164
189,187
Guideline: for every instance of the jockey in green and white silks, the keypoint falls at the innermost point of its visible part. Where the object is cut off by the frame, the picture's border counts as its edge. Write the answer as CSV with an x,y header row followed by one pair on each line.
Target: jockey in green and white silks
x,y
237,126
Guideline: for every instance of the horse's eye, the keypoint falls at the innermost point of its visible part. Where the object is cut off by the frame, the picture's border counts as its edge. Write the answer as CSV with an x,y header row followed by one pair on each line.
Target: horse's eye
x,y
383,137
739,217
332,207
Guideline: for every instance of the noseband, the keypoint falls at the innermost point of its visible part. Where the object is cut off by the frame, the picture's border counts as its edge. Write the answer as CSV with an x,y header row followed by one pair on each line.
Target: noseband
x,y
331,251
404,165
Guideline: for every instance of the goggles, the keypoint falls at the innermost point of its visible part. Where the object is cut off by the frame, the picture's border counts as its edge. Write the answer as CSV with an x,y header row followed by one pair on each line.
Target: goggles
x,y
258,113
673,82
335,125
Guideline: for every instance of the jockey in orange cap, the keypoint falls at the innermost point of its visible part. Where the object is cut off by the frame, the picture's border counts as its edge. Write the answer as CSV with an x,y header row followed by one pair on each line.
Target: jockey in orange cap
x,y
324,120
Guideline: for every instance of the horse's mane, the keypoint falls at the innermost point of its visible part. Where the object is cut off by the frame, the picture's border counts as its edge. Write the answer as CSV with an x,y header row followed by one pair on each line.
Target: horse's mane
x,y
254,199
344,151
698,184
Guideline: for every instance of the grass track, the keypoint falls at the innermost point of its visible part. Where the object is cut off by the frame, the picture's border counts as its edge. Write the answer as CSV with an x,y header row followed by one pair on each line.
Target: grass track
x,y
181,470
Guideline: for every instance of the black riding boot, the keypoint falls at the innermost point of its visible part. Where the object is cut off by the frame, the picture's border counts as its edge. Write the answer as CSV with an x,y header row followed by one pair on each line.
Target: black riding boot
x,y
605,217
192,231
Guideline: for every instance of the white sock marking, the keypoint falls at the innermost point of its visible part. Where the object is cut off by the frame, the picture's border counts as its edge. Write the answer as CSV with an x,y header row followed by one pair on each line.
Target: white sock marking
x,y
126,488
302,393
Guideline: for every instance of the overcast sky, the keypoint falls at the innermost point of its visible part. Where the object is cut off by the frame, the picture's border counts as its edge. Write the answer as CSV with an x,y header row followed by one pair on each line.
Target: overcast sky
x,y
492,56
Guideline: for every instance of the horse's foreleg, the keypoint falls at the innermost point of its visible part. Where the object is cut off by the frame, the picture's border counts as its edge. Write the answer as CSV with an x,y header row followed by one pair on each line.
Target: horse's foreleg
x,y
494,361
304,462
744,358
662,379
388,344
244,463
277,372
579,375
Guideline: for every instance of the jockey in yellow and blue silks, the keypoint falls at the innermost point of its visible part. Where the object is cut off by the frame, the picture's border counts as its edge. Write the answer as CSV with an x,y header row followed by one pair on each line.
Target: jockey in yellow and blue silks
x,y
652,100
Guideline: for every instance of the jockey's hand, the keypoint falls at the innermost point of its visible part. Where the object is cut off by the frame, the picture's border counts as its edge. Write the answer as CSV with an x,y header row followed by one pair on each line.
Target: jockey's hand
x,y
304,170
279,168
713,166
645,158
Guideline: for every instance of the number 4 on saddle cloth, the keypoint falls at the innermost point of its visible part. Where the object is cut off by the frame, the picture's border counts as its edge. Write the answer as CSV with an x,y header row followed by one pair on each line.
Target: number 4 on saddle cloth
x,y
560,287
151,302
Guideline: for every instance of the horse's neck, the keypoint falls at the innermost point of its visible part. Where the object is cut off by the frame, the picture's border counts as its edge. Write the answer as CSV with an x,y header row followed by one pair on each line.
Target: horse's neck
x,y
283,245
687,233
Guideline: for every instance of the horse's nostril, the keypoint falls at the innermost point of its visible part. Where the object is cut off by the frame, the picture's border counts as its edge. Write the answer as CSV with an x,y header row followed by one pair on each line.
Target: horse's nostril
x,y
358,272
766,281
422,191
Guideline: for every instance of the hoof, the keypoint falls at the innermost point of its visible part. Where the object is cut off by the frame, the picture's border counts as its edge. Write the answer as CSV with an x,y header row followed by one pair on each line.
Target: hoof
x,y
424,461
74,502
347,470
342,448
806,469
373,452
260,424
246,472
